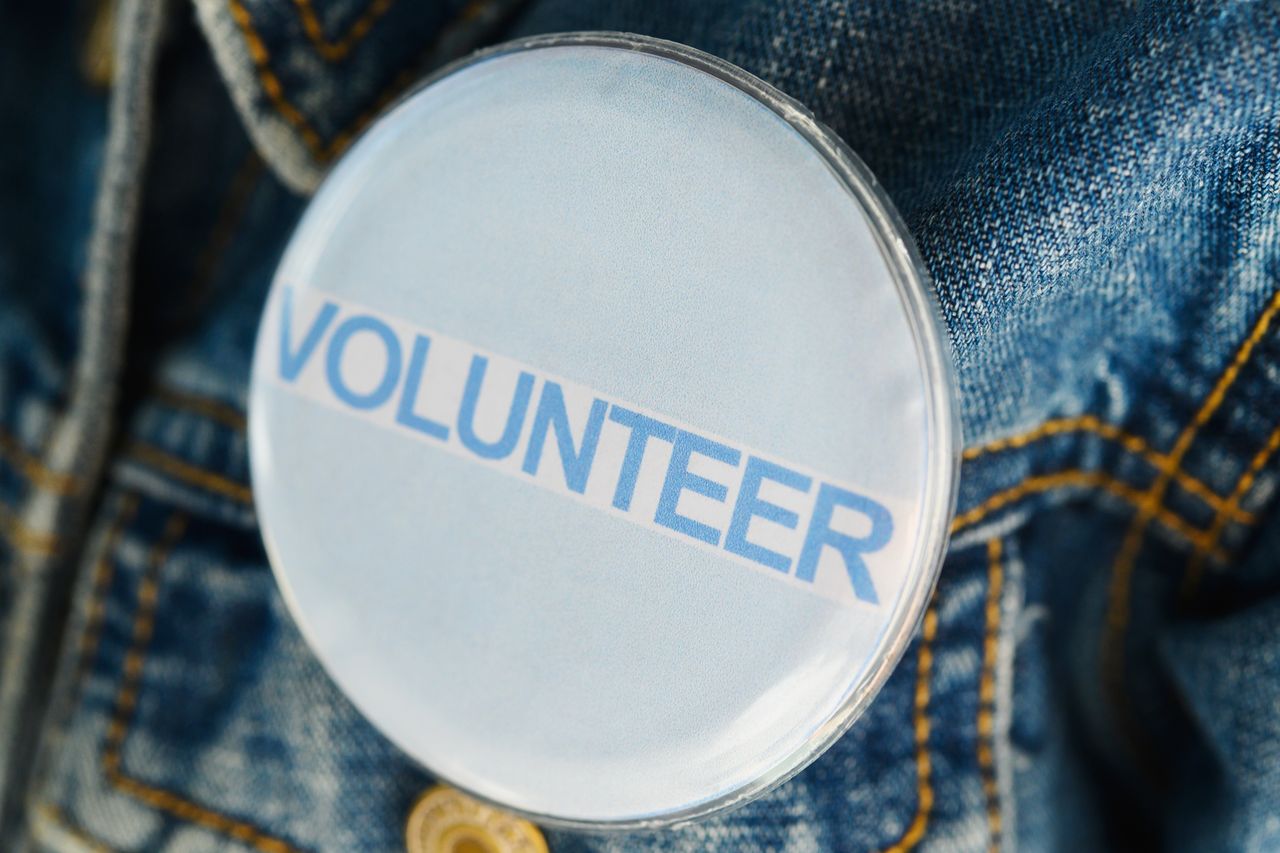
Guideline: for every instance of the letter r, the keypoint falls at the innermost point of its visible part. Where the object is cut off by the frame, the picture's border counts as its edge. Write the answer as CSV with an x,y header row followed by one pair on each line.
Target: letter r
x,y
851,548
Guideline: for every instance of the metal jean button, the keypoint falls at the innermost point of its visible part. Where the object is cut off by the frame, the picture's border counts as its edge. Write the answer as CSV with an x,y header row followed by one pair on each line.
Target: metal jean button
x,y
444,820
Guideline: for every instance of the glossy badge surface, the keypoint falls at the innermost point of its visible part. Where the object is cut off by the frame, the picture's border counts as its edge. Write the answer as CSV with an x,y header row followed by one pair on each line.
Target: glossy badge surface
x,y
601,431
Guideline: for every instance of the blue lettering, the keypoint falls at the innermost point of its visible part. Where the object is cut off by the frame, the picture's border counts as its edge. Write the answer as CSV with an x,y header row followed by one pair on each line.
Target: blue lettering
x,y
820,534
750,506
338,345
501,448
291,363
642,428
679,479
409,397
551,412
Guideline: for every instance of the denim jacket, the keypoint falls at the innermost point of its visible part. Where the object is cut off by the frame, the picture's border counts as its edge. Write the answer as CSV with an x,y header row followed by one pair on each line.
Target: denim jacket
x,y
1094,187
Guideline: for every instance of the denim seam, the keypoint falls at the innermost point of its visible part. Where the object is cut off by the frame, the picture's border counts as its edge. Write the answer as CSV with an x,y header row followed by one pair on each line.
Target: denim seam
x,y
335,51
158,798
100,583
90,636
79,440
30,467
1132,443
323,152
921,725
152,456
1073,478
270,83
1012,608
207,407
987,692
1196,565
14,531
25,538
126,701
35,478
1119,589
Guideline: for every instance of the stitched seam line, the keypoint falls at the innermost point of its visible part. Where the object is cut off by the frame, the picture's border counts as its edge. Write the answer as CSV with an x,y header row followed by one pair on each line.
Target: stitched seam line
x,y
1195,567
143,627
180,470
921,725
334,51
270,83
126,704
987,692
214,410
1119,590
340,142
103,573
34,470
271,86
91,638
24,538
1078,479
1131,443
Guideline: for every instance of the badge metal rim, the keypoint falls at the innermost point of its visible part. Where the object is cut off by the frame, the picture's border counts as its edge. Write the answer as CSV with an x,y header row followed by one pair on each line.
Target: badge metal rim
x,y
920,303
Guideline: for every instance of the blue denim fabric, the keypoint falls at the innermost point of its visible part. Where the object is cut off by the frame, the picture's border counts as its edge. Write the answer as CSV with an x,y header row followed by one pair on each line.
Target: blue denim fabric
x,y
1092,185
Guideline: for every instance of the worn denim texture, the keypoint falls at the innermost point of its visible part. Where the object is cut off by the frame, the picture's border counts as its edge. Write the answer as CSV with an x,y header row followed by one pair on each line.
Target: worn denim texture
x,y
1094,186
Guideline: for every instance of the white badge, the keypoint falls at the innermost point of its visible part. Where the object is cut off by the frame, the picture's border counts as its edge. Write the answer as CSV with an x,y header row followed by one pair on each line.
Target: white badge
x,y
601,430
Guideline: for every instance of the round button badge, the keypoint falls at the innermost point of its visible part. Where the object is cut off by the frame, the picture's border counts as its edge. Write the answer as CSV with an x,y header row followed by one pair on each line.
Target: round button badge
x,y
602,432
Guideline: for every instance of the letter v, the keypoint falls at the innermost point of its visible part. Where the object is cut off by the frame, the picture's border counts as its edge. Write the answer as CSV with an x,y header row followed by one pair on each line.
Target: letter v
x,y
291,363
